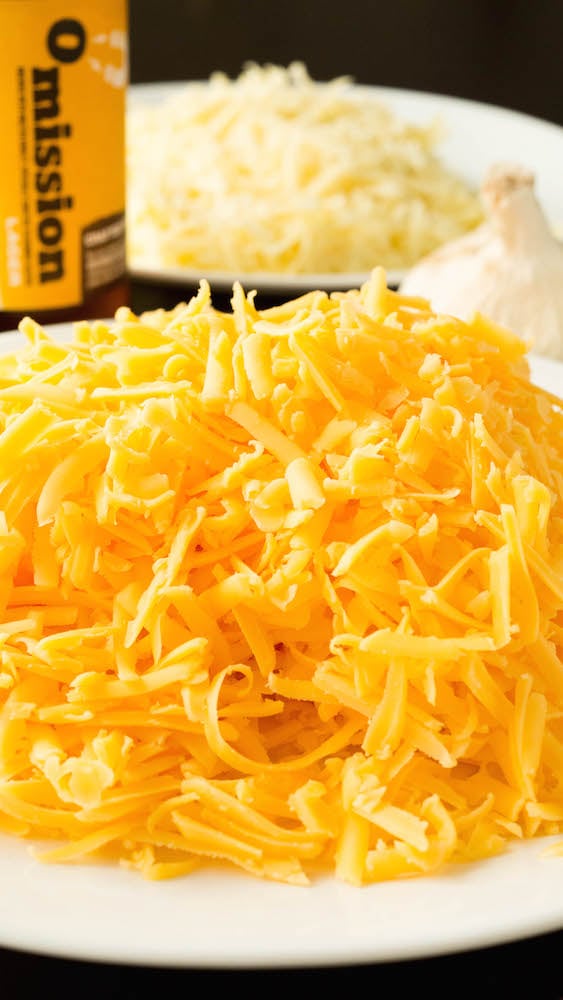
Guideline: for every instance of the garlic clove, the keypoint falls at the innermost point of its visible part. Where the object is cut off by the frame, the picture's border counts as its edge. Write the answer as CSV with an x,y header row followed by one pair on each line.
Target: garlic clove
x,y
510,268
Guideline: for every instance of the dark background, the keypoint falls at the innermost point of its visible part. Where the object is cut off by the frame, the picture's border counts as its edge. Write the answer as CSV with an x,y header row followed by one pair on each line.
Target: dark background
x,y
506,52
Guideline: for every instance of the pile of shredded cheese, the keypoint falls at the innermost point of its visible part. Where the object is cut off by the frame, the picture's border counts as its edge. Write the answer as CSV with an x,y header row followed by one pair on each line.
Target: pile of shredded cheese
x,y
281,589
276,172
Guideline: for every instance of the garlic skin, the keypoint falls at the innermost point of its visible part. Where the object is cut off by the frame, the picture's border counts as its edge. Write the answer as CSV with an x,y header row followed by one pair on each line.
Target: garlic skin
x,y
509,269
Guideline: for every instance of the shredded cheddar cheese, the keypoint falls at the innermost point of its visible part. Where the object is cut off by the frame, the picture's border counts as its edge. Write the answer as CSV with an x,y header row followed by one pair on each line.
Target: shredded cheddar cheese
x,y
275,172
280,589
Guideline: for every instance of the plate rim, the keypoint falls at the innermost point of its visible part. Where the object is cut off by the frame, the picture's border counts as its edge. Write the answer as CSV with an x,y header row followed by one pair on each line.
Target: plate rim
x,y
406,92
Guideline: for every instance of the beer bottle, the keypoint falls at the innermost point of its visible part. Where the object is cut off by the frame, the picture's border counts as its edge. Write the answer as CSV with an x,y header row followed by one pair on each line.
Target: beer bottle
x,y
63,79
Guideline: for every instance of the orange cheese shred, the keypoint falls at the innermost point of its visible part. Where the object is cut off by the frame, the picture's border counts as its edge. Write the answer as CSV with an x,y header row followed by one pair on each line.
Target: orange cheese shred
x,y
280,589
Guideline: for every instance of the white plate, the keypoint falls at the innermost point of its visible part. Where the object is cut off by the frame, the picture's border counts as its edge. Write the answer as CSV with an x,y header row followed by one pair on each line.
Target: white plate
x,y
478,135
214,921
220,920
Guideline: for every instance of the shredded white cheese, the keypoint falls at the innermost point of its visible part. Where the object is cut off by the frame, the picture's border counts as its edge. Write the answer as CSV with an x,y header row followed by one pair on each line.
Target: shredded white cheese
x,y
276,172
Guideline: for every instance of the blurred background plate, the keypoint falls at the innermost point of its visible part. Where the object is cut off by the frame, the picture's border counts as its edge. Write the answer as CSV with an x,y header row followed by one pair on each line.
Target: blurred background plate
x,y
477,135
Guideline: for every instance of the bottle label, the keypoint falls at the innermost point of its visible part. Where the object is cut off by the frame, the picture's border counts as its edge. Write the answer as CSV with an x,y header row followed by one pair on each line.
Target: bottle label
x,y
63,79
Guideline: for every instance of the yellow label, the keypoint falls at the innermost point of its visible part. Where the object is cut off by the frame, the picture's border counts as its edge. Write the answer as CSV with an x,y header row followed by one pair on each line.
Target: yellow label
x,y
63,78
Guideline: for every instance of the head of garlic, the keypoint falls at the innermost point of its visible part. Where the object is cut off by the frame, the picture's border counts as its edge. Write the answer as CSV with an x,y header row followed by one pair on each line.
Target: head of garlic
x,y
509,269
